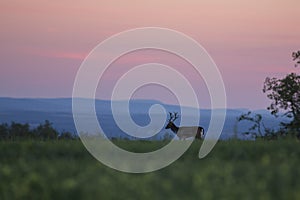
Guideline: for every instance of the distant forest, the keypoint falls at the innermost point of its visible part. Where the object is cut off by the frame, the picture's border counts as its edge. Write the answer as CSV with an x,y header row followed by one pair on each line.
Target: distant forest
x,y
45,131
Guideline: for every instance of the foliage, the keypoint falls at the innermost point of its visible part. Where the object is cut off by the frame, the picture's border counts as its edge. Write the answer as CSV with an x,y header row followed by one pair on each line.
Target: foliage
x,y
45,131
19,130
296,57
63,169
258,129
3,131
66,135
285,96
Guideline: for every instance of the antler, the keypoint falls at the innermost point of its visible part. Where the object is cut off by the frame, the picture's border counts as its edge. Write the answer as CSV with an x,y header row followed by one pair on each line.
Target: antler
x,y
173,117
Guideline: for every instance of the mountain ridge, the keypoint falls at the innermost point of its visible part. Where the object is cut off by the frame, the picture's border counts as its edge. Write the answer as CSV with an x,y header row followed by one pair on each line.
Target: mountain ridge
x,y
59,111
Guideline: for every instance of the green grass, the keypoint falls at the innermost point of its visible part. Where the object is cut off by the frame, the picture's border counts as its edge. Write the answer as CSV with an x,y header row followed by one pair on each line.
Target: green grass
x,y
233,170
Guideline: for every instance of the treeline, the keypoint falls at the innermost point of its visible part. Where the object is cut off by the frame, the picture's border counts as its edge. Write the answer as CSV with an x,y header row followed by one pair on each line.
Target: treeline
x,y
45,131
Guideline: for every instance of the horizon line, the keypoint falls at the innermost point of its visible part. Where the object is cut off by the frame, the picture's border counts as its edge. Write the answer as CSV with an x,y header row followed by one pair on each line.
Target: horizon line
x,y
135,99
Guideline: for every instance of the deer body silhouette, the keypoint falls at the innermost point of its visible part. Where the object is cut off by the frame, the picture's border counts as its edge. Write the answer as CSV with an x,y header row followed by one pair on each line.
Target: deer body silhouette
x,y
184,131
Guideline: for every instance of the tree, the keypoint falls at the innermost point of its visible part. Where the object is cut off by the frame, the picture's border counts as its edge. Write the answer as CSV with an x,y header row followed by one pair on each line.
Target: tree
x,y
258,128
17,130
46,131
285,96
66,135
3,131
296,57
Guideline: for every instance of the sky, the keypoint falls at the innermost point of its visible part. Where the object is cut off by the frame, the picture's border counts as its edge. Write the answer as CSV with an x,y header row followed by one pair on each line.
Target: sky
x,y
43,44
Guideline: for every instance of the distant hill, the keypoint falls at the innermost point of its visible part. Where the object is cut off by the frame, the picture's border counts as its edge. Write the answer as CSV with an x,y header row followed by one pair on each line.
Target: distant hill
x,y
59,111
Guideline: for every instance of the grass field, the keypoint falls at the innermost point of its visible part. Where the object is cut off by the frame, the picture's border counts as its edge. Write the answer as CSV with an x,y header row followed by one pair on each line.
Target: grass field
x,y
233,170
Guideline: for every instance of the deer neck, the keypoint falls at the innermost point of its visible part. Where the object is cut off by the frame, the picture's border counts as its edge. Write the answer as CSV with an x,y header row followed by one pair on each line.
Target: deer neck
x,y
174,128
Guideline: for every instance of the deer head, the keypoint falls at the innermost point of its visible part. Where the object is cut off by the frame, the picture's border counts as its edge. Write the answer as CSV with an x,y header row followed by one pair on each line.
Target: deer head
x,y
171,120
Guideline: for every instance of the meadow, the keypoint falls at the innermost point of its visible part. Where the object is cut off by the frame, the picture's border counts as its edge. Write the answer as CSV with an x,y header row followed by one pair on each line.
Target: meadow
x,y
63,169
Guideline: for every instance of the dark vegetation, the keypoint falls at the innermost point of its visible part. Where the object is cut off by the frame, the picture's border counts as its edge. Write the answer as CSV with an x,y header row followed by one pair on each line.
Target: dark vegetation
x,y
296,57
64,169
45,131
284,94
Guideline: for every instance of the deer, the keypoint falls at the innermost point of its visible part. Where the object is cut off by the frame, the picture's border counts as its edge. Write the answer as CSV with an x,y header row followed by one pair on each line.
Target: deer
x,y
184,131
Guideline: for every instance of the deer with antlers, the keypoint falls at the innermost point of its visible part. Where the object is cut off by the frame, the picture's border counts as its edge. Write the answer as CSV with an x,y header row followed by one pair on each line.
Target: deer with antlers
x,y
184,131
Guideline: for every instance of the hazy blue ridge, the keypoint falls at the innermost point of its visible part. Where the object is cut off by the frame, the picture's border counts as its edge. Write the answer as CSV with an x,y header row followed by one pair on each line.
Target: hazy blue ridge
x,y
59,111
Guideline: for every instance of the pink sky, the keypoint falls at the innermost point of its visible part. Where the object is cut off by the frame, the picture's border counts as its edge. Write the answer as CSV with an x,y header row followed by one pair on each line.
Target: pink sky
x,y
44,42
